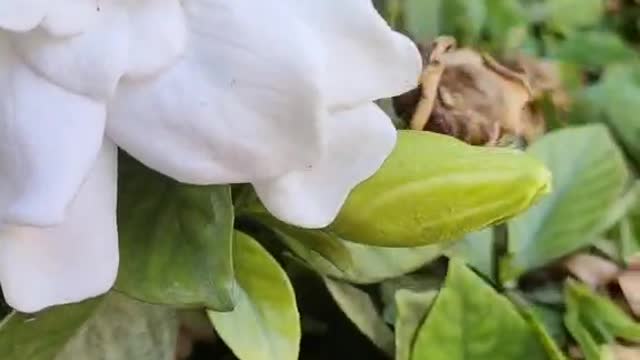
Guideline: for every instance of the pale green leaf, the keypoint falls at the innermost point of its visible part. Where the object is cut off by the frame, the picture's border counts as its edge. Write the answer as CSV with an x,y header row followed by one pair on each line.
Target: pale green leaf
x,y
373,264
616,98
42,336
476,249
360,309
320,249
470,320
329,255
124,328
411,308
589,175
265,323
541,321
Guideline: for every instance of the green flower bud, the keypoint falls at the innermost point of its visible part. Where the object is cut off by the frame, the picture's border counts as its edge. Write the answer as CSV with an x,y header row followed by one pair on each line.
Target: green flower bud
x,y
435,188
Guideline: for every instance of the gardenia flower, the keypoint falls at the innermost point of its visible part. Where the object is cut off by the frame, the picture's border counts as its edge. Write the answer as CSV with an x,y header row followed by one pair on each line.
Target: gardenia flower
x,y
277,93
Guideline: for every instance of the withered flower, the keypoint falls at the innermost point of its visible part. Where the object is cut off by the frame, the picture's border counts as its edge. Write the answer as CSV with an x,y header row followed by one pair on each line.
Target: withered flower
x,y
472,96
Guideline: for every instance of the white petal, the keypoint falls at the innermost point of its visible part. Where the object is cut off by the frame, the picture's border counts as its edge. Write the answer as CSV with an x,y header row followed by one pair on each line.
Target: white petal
x,y
242,104
76,260
89,64
70,17
112,39
360,141
365,60
49,139
22,15
157,35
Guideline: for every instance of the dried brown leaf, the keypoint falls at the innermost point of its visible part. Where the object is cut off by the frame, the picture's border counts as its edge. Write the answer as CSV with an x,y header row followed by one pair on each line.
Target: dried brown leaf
x,y
621,352
592,270
629,282
470,96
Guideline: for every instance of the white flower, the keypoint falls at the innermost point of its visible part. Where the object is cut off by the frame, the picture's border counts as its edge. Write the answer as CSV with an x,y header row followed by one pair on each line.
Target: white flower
x,y
277,93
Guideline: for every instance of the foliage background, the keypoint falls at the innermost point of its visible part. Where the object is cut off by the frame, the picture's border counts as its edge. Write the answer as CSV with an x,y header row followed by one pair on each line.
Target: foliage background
x,y
560,281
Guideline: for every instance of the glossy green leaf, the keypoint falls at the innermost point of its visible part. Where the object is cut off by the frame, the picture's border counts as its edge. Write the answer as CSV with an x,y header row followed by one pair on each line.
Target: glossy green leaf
x,y
589,175
265,324
412,308
175,240
42,336
124,328
470,320
434,188
361,310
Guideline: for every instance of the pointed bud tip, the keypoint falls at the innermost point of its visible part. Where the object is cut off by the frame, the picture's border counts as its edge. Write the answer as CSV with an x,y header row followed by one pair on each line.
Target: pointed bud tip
x,y
541,181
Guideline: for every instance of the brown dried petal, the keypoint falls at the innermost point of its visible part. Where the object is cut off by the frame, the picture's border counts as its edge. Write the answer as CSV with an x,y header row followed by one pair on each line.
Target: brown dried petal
x,y
625,352
592,270
470,96
629,282
484,94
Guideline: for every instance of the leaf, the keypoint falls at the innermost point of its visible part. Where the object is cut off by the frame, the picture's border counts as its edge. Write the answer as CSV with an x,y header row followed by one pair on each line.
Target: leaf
x,y
622,207
360,309
422,19
570,15
373,264
541,320
508,24
469,320
331,256
124,328
265,324
580,334
412,308
321,249
594,49
629,240
589,174
42,336
434,188
464,18
616,98
601,313
476,250
175,240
